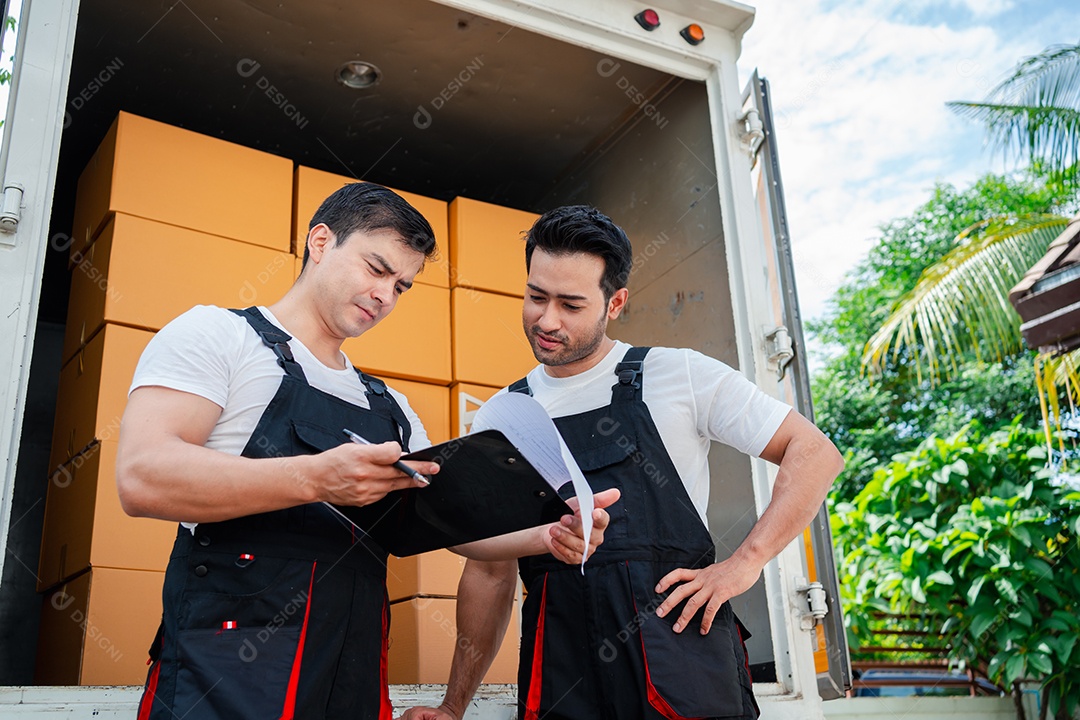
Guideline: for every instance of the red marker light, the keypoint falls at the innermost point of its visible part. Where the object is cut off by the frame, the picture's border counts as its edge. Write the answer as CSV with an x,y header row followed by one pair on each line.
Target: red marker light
x,y
693,34
648,19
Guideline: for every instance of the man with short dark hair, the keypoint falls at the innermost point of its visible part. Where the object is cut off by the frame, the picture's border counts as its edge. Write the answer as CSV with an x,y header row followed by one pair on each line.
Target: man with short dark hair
x,y
273,605
647,633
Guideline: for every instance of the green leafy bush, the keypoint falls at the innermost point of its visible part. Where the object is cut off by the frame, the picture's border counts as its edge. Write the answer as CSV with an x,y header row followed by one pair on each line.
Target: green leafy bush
x,y
976,533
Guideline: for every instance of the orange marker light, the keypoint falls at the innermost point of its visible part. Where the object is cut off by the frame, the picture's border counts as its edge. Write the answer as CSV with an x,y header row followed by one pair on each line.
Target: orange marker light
x,y
693,34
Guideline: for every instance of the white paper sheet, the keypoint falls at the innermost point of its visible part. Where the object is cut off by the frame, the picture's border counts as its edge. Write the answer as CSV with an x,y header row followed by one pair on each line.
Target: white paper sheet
x,y
527,425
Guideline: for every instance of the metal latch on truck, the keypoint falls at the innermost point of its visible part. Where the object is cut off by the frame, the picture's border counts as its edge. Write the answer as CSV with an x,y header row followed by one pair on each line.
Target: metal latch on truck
x,y
779,350
752,131
11,208
814,601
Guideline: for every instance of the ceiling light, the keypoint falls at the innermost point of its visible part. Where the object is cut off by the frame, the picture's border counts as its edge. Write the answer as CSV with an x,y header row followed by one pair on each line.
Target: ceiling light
x,y
358,75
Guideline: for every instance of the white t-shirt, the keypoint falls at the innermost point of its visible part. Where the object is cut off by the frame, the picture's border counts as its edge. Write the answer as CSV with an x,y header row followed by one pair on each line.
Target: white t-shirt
x,y
213,353
693,399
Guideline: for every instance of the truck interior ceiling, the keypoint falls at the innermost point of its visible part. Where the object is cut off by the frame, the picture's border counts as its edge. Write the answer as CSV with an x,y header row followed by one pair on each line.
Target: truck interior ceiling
x,y
461,106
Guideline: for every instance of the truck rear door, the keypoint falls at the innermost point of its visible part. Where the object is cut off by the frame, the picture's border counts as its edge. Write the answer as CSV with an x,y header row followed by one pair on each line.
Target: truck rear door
x,y
787,354
28,164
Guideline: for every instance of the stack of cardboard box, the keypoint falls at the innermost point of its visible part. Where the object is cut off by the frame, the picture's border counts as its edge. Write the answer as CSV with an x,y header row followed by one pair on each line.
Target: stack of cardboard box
x,y
164,219
167,219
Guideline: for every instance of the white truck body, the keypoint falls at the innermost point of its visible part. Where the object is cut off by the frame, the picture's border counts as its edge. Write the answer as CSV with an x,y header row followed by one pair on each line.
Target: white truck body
x,y
642,124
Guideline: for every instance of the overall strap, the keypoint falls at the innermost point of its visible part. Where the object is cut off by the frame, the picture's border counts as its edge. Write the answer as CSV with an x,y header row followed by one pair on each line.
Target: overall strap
x,y
521,386
380,400
276,339
630,372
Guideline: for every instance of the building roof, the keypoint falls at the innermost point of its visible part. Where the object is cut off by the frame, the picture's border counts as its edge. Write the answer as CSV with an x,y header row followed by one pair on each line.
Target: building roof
x,y
1048,296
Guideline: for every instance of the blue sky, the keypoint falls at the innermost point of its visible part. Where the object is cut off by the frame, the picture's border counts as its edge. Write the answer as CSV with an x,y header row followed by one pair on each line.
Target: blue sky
x,y
859,91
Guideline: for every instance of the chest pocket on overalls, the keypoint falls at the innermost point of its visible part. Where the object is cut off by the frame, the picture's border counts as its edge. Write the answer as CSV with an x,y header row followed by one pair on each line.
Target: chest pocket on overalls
x,y
601,465
317,437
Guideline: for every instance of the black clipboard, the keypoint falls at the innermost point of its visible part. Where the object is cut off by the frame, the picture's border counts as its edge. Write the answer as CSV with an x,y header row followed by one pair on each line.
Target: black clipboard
x,y
484,488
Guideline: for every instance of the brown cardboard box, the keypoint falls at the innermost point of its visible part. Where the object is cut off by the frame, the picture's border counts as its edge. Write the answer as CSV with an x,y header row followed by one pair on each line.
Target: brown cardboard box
x,y
412,343
86,527
314,186
490,347
422,636
432,404
93,390
145,273
96,628
487,246
465,400
432,573
182,178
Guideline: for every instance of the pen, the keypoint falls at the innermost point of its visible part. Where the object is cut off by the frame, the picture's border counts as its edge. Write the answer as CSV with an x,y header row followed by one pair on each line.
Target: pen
x,y
398,464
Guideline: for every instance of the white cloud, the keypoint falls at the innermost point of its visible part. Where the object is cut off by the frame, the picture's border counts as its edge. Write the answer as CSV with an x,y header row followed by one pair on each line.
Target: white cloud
x,y
863,131
986,8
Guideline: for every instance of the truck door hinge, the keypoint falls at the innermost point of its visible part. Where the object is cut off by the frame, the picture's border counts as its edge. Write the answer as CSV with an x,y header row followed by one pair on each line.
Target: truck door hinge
x,y
11,209
779,350
813,603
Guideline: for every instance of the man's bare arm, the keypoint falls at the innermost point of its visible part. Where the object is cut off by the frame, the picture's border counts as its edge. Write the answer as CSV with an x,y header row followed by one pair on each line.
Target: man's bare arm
x,y
163,470
485,601
561,539
809,463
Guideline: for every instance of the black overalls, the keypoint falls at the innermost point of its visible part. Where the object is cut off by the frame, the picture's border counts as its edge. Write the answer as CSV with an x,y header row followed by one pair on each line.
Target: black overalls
x,y
282,614
592,646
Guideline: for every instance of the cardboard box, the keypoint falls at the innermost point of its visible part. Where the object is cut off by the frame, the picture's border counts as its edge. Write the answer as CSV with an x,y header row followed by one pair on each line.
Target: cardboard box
x,y
423,633
313,186
432,573
432,404
412,342
182,178
487,246
93,390
86,527
144,273
96,628
465,400
489,345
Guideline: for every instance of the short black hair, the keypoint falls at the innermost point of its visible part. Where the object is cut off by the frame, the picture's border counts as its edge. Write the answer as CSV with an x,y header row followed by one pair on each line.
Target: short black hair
x,y
364,206
584,229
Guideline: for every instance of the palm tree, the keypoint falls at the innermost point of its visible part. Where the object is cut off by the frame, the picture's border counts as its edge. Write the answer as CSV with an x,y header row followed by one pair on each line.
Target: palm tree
x,y
1035,112
960,305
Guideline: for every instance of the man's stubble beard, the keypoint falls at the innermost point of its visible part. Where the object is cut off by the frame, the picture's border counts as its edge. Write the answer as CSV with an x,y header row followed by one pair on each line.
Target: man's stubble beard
x,y
568,354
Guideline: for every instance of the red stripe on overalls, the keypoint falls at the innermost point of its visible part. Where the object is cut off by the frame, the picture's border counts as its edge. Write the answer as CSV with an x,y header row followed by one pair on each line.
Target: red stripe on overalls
x,y
294,678
746,664
386,709
151,690
655,699
532,704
